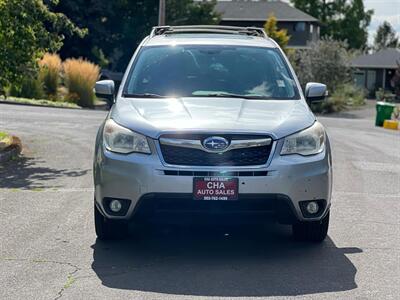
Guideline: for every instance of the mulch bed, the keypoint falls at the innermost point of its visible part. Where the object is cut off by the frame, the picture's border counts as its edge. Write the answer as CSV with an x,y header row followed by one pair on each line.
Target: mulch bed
x,y
11,151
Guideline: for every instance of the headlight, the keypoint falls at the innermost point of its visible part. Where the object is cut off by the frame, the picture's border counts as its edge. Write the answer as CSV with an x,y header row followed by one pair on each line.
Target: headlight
x,y
307,142
122,140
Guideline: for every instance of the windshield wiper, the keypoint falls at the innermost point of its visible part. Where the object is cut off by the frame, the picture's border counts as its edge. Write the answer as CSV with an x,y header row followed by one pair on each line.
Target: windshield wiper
x,y
144,95
229,95
218,95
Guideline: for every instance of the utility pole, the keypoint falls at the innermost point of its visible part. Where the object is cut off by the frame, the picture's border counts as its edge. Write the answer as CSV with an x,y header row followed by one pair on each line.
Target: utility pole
x,y
161,13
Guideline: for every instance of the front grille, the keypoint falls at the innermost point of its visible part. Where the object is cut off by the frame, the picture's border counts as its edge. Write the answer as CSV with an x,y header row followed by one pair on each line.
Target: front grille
x,y
177,208
252,156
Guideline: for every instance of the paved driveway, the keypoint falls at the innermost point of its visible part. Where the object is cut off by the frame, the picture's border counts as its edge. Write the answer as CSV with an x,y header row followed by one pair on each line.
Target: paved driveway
x,y
48,248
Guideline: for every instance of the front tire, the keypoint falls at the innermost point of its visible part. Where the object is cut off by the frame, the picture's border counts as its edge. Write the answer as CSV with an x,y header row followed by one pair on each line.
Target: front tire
x,y
107,229
313,231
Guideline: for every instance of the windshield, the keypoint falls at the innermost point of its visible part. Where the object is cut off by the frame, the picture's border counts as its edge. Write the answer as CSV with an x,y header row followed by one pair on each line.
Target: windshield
x,y
204,71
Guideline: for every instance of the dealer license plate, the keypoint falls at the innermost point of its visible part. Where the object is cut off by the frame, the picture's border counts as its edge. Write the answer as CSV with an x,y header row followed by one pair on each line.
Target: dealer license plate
x,y
215,188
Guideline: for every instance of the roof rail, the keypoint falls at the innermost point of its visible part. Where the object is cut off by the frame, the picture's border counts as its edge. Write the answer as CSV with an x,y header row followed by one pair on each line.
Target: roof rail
x,y
252,31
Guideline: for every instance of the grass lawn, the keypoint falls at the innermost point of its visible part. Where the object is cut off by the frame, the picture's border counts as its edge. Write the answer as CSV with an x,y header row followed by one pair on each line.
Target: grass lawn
x,y
39,102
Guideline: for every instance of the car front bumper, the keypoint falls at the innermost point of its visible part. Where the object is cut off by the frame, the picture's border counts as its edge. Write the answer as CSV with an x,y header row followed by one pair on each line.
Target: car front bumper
x,y
140,177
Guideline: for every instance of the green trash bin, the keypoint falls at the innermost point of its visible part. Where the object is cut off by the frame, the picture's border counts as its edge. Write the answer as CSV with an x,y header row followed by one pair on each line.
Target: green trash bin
x,y
384,112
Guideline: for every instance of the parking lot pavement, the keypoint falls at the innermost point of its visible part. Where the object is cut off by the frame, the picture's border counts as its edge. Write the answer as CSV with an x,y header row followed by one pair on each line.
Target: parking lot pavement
x,y
49,250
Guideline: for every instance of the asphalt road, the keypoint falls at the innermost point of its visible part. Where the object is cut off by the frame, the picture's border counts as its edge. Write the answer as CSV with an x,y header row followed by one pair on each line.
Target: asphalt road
x,y
48,248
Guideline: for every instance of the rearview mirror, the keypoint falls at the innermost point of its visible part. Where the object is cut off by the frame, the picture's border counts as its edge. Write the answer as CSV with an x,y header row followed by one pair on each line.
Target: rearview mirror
x,y
315,92
104,89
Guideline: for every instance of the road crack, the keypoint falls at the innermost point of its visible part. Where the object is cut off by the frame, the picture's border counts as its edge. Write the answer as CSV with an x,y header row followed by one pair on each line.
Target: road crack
x,y
70,276
70,281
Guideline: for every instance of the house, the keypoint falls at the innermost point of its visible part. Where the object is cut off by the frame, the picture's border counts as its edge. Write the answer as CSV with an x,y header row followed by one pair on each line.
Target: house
x,y
302,27
375,71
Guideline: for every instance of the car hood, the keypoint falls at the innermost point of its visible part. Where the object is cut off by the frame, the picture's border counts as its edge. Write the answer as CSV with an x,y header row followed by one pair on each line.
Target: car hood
x,y
153,117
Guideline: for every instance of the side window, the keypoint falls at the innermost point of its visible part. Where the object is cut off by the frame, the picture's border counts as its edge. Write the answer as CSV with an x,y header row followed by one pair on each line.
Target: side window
x,y
300,26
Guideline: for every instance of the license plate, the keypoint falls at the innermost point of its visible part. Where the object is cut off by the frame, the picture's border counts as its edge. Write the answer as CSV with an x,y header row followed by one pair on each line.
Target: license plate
x,y
215,188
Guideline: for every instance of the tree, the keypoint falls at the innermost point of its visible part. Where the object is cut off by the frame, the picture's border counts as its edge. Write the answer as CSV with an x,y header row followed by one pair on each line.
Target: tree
x,y
344,20
385,37
103,20
279,36
28,29
317,8
191,12
326,61
117,27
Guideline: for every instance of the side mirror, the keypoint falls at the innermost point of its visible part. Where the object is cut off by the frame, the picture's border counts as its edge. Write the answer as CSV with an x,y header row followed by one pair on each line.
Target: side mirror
x,y
104,89
315,92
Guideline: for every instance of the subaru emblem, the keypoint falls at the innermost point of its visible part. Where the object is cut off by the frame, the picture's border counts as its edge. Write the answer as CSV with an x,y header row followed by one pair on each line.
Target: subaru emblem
x,y
215,144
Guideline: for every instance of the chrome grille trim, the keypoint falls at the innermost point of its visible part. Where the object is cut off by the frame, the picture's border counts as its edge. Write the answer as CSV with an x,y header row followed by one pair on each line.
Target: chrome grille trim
x,y
238,144
194,144
234,144
215,168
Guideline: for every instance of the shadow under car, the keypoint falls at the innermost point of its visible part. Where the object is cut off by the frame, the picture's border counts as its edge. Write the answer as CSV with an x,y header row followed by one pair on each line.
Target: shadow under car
x,y
224,261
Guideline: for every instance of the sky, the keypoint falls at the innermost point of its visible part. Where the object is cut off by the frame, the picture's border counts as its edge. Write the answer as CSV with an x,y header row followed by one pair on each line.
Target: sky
x,y
384,10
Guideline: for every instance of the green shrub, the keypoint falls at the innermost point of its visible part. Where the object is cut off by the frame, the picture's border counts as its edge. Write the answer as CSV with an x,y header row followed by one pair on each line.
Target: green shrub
x,y
13,90
49,74
353,95
330,105
30,87
326,61
345,96
80,77
385,96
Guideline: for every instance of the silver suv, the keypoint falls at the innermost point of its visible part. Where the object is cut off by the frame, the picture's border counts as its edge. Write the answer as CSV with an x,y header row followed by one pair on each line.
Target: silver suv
x,y
210,125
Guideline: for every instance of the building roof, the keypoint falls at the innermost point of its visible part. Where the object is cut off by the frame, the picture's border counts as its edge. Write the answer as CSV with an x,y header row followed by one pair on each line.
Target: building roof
x,y
259,10
383,59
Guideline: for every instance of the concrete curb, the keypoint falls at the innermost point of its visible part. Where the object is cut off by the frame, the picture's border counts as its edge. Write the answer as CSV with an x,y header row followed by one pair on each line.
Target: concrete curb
x,y
11,151
38,105
96,107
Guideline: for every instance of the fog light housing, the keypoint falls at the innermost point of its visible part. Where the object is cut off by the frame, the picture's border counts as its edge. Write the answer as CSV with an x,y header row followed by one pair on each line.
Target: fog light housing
x,y
312,207
115,205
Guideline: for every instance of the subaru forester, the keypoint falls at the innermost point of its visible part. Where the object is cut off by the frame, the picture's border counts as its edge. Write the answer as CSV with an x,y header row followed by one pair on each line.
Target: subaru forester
x,y
210,123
